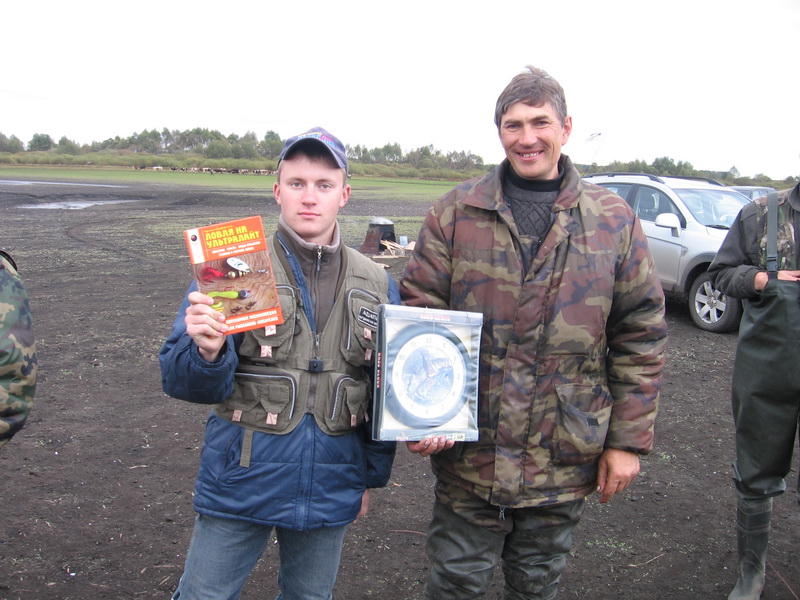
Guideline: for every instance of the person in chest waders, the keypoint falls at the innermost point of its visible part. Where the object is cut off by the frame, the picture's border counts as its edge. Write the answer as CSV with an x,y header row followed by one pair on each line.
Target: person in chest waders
x,y
758,262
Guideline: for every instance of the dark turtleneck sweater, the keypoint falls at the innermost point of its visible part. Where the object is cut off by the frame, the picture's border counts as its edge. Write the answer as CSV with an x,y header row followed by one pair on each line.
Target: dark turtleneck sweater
x,y
531,203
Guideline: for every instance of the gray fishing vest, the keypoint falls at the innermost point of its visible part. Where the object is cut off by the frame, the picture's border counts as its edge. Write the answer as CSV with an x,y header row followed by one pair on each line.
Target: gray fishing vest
x,y
278,368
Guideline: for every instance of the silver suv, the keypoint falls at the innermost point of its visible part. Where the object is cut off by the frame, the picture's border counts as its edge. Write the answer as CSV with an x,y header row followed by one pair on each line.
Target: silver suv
x,y
685,220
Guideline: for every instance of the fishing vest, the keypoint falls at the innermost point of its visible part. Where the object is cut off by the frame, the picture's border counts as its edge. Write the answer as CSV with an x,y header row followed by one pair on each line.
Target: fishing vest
x,y
288,370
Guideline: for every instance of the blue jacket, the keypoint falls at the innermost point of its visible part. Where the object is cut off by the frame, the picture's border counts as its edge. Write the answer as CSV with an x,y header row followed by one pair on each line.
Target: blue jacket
x,y
301,480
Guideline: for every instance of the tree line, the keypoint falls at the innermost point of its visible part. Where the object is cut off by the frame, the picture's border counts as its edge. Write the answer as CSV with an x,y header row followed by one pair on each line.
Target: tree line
x,y
211,144
201,147
668,167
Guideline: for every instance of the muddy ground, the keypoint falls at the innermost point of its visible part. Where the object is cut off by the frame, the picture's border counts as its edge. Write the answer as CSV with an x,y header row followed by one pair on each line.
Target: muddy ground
x,y
96,491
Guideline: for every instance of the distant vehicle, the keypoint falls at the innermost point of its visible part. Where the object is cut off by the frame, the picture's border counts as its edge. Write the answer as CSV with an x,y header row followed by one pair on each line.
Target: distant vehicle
x,y
685,220
753,191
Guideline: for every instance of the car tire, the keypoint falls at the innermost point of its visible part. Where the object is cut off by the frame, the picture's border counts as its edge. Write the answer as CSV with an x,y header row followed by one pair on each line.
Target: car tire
x,y
711,310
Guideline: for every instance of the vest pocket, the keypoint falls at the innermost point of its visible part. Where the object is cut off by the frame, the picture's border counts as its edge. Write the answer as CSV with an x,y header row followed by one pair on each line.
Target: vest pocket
x,y
346,408
276,347
583,414
265,401
360,327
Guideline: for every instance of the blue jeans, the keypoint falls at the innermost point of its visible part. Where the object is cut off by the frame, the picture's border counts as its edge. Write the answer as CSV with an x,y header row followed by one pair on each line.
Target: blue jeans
x,y
223,552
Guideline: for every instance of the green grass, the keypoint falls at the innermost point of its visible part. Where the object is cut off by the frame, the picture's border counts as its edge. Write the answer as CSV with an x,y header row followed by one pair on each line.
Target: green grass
x,y
122,176
414,191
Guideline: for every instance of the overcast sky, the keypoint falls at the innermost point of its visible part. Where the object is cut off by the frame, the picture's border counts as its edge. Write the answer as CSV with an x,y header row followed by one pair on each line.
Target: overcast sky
x,y
711,82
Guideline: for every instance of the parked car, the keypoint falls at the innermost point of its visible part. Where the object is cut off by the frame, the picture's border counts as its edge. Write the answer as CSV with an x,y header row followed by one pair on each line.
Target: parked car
x,y
753,191
685,220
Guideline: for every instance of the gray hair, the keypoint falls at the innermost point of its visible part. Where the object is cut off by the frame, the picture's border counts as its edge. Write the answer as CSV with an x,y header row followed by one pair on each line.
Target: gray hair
x,y
533,87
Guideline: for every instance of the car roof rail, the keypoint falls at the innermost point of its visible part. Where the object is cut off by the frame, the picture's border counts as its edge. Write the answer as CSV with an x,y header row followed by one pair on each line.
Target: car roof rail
x,y
659,178
698,178
648,175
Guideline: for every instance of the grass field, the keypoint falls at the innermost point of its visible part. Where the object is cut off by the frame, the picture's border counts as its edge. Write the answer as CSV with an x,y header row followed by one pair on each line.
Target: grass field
x,y
415,191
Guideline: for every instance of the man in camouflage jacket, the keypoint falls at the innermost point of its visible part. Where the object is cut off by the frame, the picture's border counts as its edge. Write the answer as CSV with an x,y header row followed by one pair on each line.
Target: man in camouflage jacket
x,y
571,352
18,364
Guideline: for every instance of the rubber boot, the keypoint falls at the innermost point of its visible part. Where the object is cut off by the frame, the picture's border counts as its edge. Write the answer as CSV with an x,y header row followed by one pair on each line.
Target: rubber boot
x,y
752,536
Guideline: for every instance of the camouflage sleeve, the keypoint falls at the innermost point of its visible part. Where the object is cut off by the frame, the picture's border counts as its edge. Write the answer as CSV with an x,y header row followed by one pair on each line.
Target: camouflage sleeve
x,y
637,338
18,365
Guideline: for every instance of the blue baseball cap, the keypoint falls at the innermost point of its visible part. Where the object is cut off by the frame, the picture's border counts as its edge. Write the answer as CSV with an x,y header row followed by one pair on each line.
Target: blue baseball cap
x,y
330,141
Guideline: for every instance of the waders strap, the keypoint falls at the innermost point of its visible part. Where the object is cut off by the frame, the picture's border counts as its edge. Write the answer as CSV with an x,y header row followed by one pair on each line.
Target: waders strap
x,y
772,235
247,446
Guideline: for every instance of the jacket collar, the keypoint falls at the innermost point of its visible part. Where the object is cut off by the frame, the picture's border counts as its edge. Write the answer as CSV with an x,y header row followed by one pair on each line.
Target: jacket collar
x,y
487,191
299,244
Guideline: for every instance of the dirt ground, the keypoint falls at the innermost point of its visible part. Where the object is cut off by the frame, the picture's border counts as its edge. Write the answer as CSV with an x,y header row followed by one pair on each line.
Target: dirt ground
x,y
96,491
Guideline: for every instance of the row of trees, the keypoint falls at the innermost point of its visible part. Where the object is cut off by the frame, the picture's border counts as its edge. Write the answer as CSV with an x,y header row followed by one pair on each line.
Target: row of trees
x,y
201,147
211,144
668,167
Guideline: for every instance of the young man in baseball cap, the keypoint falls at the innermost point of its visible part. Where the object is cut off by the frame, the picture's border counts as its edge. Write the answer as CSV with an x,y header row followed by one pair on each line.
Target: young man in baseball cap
x,y
286,447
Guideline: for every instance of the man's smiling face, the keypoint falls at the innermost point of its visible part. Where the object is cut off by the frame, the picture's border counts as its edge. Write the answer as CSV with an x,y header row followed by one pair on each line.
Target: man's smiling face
x,y
532,137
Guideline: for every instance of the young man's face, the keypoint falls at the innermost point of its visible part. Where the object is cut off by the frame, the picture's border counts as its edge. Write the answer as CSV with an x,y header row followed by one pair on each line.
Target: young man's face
x,y
532,137
310,194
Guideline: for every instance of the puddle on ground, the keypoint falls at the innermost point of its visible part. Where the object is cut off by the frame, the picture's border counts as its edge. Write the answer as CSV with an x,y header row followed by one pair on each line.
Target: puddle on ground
x,y
74,204
20,182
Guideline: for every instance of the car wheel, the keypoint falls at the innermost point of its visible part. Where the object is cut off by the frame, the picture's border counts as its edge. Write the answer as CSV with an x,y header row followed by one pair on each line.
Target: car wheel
x,y
711,310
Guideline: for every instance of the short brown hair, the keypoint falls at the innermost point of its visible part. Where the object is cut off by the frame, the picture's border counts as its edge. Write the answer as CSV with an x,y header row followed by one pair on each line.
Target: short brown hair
x,y
533,87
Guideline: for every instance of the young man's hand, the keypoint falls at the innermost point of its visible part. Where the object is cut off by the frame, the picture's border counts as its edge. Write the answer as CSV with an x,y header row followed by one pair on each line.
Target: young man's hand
x,y
364,505
205,326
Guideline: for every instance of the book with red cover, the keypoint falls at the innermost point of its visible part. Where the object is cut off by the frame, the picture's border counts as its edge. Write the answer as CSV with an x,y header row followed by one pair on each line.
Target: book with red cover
x,y
231,263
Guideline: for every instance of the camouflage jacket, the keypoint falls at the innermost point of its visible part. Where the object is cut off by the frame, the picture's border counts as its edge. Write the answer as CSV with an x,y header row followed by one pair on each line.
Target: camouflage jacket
x,y
571,353
18,364
744,251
